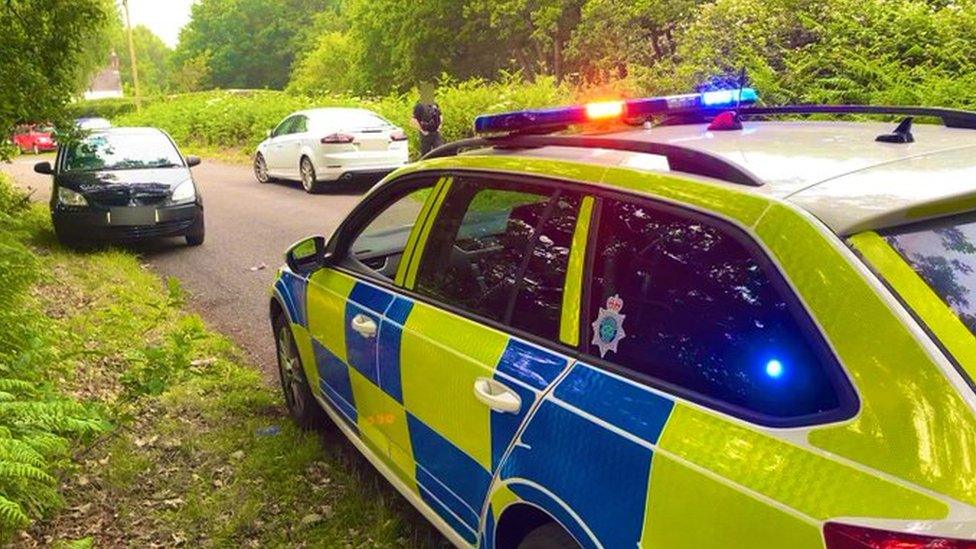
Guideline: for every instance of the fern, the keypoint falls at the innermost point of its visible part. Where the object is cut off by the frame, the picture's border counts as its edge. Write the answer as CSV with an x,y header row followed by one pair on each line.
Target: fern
x,y
12,516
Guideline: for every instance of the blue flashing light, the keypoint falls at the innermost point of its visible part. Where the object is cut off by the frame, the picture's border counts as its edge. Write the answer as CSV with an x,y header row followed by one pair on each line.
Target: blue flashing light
x,y
541,120
774,369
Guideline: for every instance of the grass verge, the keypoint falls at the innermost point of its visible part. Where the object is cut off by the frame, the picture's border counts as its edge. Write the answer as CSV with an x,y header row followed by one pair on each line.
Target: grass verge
x,y
195,450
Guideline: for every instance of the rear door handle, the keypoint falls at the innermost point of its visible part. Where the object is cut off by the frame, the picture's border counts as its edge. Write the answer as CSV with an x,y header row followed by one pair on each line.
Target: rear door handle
x,y
497,396
364,326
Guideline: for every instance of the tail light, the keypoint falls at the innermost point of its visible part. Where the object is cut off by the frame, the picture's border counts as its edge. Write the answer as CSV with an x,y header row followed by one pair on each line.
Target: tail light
x,y
845,536
337,138
398,135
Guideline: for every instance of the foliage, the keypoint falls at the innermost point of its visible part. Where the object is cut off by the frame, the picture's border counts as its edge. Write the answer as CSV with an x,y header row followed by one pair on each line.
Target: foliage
x,y
401,44
48,55
330,67
194,74
153,58
232,120
247,43
204,454
36,420
832,51
109,108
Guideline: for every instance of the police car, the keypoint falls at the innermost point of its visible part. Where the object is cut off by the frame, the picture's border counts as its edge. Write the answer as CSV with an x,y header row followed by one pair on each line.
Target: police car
x,y
726,329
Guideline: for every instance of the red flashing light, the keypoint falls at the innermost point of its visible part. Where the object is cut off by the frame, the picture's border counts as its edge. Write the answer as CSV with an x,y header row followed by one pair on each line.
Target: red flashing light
x,y
337,138
725,121
604,109
845,536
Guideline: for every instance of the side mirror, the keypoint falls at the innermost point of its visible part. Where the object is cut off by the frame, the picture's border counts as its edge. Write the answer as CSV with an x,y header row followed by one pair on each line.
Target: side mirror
x,y
307,255
44,168
192,161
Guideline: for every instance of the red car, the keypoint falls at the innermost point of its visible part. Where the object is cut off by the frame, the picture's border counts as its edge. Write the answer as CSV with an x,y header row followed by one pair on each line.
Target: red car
x,y
34,138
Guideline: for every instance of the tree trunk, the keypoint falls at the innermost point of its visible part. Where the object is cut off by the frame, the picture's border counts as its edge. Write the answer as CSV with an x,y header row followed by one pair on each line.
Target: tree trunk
x,y
557,56
528,71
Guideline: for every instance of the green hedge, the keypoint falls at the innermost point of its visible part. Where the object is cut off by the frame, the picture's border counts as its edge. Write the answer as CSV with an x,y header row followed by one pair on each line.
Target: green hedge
x,y
104,108
241,119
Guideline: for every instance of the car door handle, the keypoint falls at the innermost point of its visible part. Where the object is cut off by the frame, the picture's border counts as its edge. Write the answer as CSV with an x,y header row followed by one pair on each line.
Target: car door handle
x,y
364,326
497,396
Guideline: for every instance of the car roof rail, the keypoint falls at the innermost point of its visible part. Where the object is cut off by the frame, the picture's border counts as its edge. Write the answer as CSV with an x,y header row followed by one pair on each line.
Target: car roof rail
x,y
680,159
951,118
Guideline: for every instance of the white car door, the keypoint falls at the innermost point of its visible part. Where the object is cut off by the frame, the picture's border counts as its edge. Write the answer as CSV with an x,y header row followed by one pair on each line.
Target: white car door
x,y
291,149
275,148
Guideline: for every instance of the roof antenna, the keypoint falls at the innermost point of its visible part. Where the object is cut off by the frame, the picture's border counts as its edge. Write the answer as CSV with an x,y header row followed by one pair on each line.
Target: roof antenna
x,y
902,134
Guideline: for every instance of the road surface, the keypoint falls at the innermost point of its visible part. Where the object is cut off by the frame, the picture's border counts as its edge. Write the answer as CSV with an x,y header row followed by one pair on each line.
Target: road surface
x,y
249,226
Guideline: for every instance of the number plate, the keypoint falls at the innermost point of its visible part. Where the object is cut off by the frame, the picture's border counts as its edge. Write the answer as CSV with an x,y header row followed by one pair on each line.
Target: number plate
x,y
132,216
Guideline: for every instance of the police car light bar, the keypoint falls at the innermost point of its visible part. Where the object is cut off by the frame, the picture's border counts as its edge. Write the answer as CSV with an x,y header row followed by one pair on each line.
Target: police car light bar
x,y
535,120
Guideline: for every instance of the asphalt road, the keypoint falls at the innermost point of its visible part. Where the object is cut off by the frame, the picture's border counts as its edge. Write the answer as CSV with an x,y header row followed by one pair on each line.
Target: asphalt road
x,y
249,226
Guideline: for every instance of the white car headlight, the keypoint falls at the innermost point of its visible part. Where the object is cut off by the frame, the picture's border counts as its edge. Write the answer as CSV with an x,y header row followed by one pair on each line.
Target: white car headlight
x,y
71,198
184,192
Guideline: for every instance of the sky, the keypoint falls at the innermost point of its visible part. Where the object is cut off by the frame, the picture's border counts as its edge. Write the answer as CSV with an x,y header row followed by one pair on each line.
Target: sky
x,y
164,17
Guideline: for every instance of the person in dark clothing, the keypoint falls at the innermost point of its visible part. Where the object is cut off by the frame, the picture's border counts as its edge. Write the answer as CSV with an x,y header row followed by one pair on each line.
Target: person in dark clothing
x,y
427,120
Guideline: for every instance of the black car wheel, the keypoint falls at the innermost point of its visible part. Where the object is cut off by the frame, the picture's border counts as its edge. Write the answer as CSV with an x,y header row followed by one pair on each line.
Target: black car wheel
x,y
298,396
548,536
261,169
197,232
309,180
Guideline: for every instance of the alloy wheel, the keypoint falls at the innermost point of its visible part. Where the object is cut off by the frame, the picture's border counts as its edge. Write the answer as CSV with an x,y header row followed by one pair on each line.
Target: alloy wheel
x,y
308,174
260,169
292,378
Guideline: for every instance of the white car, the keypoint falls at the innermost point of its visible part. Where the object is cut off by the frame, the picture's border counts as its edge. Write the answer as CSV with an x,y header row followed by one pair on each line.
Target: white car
x,y
328,145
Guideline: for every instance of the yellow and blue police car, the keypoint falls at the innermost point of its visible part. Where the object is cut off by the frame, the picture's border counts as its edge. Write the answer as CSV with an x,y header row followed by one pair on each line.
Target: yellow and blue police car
x,y
726,329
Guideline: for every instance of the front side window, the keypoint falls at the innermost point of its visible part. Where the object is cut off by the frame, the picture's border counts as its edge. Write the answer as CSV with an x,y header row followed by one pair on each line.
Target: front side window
x,y
943,253
379,247
500,250
690,303
121,151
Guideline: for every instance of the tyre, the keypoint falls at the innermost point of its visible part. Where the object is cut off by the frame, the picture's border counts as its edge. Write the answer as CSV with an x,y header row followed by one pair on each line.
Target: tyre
x,y
261,169
548,536
309,180
302,406
197,232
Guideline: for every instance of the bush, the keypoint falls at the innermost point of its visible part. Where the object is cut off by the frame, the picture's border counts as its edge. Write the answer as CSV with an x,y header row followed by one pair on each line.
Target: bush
x,y
104,108
35,419
241,119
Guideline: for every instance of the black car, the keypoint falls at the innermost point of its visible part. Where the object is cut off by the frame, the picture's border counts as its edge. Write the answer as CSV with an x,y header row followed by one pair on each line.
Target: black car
x,y
124,184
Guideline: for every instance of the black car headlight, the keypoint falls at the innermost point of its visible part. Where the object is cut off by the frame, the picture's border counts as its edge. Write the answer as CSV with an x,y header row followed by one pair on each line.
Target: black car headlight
x,y
184,192
68,197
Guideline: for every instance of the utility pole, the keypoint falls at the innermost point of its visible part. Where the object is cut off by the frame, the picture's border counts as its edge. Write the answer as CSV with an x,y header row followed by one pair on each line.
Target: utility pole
x,y
132,55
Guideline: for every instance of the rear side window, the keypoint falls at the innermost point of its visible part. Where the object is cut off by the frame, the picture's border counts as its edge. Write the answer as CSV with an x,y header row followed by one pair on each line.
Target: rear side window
x,y
500,250
690,303
943,253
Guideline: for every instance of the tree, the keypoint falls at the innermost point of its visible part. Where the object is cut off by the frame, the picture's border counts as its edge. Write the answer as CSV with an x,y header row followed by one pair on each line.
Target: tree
x,y
153,58
613,35
536,32
193,75
252,43
330,67
404,43
49,55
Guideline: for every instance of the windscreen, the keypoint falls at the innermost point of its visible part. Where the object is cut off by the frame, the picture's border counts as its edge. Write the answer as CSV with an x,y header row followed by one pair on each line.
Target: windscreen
x,y
943,253
121,151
